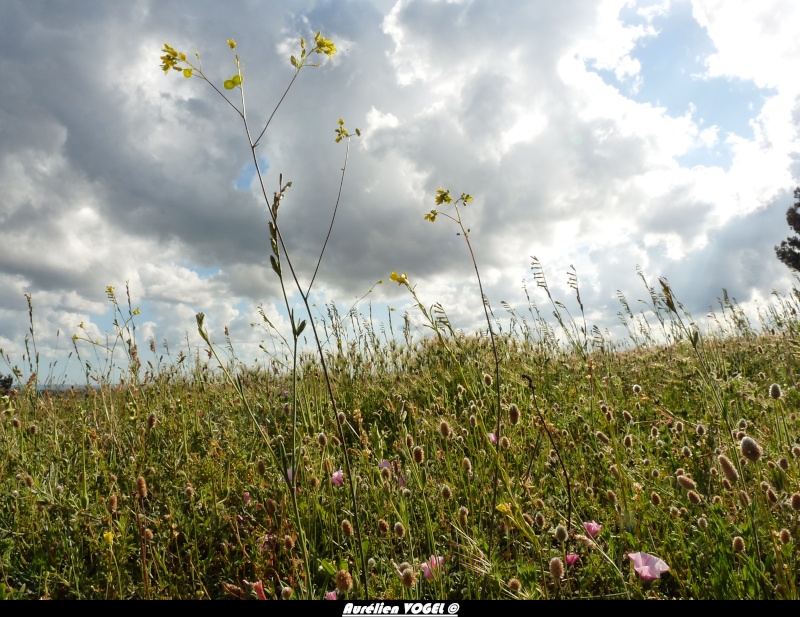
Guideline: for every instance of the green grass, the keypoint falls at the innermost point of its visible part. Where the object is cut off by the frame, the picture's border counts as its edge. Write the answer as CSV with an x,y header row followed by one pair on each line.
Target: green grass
x,y
369,463
187,432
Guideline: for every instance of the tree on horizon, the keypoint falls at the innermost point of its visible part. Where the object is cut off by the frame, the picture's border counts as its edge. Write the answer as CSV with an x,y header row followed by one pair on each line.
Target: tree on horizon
x,y
789,250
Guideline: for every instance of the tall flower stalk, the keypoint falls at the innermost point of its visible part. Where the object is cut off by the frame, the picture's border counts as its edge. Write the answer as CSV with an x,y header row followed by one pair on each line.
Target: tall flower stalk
x,y
175,60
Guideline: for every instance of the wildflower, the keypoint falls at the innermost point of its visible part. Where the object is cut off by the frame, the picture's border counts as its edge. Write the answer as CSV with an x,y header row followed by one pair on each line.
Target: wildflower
x,y
572,558
637,388
463,512
466,464
601,436
775,391
419,455
561,533
338,478
493,438
290,475
514,585
347,528
322,440
592,528
429,566
141,487
446,492
109,537
649,567
750,449
246,498
331,595
738,544
694,498
383,527
444,429
686,482
556,568
487,379
513,413
286,593
258,588
655,498
344,581
795,501
399,529
288,542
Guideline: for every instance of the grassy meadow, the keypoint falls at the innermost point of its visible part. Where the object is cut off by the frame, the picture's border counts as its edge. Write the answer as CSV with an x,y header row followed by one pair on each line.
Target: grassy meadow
x,y
182,483
537,459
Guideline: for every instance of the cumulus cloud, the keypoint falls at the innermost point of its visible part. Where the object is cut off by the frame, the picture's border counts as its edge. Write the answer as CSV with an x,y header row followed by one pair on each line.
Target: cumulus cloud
x,y
112,172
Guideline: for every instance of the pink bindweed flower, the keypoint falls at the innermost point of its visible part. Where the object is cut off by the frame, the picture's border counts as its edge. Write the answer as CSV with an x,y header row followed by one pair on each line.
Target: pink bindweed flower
x,y
246,498
429,566
493,438
258,587
648,566
338,478
592,528
572,558
331,595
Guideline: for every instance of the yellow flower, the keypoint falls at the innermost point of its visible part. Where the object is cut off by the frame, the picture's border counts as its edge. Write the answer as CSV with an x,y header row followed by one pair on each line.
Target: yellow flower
x,y
109,537
324,46
400,279
231,43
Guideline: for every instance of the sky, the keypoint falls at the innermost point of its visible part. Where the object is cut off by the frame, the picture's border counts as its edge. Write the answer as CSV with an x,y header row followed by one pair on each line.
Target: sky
x,y
606,136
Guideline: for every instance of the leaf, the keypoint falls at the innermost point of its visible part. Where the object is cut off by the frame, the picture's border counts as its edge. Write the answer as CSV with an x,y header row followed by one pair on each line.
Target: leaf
x,y
301,327
328,567
275,265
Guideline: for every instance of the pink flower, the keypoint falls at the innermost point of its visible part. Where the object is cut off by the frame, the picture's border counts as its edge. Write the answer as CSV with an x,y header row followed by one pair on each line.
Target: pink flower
x,y
592,528
384,464
648,566
338,478
401,480
246,497
331,595
572,558
258,587
493,438
429,566
289,473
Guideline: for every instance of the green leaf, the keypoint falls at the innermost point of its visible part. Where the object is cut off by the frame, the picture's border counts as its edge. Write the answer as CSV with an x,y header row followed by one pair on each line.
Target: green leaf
x,y
301,327
328,567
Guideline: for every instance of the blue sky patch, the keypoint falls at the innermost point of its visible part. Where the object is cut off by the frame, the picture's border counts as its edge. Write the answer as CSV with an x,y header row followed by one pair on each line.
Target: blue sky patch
x,y
671,67
249,172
